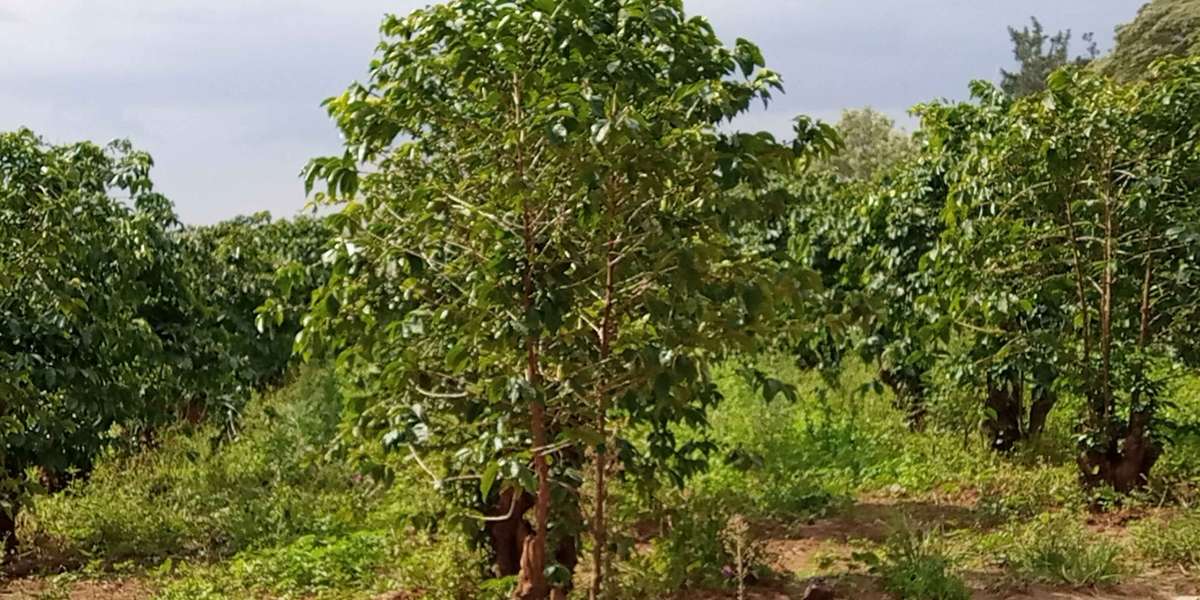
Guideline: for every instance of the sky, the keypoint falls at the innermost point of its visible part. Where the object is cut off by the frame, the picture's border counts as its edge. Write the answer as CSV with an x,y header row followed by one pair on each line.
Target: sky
x,y
226,94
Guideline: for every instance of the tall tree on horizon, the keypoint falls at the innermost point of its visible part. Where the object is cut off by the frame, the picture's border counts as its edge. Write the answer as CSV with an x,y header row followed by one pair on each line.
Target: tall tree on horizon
x,y
1162,28
1038,54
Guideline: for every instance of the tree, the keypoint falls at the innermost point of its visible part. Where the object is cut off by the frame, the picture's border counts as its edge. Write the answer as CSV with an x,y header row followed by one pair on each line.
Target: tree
x,y
1162,28
871,146
868,240
1071,221
549,241
1038,55
84,278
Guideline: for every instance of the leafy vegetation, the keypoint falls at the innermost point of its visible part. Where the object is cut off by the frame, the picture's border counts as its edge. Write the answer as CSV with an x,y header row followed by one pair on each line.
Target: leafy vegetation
x,y
115,317
567,327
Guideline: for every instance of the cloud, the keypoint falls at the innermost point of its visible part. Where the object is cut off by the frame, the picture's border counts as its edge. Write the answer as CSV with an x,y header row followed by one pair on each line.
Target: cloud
x,y
226,93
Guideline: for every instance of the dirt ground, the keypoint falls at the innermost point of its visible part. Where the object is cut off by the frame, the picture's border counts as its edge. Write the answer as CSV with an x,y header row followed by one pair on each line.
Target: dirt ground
x,y
48,589
816,551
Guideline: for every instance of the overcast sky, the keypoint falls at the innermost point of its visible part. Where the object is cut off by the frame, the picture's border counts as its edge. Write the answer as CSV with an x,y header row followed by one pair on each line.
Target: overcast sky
x,y
225,93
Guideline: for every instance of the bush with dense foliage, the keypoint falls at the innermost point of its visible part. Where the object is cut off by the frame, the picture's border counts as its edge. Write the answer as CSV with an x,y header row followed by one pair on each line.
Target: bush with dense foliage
x,y
92,305
116,320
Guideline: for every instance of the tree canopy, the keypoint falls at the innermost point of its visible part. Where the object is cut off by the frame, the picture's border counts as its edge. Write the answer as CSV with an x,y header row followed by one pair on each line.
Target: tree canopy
x,y
1162,28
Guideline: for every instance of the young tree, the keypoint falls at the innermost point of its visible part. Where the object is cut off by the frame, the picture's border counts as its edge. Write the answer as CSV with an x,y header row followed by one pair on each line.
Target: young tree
x,y
545,253
1038,55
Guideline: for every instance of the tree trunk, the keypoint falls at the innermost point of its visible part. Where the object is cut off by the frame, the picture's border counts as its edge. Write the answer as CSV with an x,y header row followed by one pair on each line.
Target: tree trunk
x,y
1005,399
531,581
606,333
1043,401
508,530
909,392
1125,461
511,538
8,531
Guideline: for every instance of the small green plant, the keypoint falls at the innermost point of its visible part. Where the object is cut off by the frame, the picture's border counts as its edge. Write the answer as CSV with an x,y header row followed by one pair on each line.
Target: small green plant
x,y
305,567
915,566
1170,542
1055,548
747,550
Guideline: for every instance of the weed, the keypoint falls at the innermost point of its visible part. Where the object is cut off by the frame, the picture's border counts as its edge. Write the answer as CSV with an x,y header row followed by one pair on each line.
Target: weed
x,y
1055,548
1170,542
747,551
915,566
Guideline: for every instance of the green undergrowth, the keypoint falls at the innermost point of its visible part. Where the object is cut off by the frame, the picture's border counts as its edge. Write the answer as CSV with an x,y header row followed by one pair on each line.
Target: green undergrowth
x,y
786,464
266,512
271,512
199,494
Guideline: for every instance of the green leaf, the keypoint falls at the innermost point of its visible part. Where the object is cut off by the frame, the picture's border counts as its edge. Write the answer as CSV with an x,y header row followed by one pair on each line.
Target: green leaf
x,y
488,479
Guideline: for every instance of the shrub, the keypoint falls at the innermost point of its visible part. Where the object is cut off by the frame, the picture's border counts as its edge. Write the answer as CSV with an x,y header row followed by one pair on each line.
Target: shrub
x,y
914,566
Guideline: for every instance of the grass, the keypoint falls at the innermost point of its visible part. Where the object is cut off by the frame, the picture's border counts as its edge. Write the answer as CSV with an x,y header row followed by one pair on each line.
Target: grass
x,y
268,513
1055,548
1170,541
272,513
915,565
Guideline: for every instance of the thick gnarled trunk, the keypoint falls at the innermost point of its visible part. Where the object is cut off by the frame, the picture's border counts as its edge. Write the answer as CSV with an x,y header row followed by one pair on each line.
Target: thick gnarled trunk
x,y
1005,397
1125,461
512,537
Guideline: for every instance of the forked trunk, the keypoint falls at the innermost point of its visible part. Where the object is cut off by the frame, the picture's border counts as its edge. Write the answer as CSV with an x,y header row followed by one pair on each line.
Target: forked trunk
x,y
1129,452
